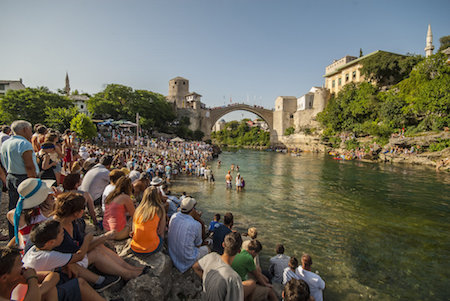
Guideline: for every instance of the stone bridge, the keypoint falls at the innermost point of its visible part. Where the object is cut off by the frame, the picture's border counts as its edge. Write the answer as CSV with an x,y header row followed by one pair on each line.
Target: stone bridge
x,y
265,114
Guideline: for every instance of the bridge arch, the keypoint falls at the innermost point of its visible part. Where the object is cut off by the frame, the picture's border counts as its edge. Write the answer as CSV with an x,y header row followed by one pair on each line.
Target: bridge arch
x,y
265,114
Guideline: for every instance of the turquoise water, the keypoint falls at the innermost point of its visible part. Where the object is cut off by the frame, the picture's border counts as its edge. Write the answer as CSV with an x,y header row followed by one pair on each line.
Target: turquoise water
x,y
374,231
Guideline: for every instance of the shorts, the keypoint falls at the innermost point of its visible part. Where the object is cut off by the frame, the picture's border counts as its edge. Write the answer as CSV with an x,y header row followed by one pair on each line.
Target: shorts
x,y
202,251
68,289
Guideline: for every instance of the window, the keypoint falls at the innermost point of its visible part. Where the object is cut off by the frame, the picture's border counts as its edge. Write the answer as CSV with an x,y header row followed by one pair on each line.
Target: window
x,y
2,87
334,83
175,83
354,75
347,76
184,83
82,107
339,81
292,116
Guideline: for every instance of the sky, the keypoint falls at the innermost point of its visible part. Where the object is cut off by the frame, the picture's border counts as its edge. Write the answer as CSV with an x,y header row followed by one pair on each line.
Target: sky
x,y
240,50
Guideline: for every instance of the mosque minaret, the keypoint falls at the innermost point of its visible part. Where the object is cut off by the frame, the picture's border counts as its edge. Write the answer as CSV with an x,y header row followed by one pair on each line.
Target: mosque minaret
x,y
429,48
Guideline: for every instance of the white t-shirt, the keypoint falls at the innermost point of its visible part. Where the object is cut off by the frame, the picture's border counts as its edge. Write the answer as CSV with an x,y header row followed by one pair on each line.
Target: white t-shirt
x,y
288,274
108,189
220,281
41,260
316,284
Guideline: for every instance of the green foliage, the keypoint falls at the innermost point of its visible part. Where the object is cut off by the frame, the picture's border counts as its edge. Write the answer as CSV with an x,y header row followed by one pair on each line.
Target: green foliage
x,y
441,144
122,102
198,135
30,104
351,144
240,134
289,131
388,68
60,118
83,126
445,43
335,141
419,103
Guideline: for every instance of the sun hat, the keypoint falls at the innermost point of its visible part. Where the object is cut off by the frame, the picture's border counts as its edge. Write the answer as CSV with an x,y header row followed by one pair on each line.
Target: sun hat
x,y
156,181
187,204
32,192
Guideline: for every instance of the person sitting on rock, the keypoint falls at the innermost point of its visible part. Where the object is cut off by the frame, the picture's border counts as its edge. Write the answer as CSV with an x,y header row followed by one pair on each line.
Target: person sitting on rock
x,y
42,257
244,265
277,264
315,282
289,272
117,204
149,223
69,207
19,283
185,236
221,231
220,281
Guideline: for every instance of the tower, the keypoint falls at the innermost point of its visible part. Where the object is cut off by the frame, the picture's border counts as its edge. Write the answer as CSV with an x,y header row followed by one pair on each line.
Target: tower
x,y
178,89
67,87
429,48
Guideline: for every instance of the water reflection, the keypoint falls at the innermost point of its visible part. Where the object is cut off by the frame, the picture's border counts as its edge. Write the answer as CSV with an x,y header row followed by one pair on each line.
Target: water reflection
x,y
374,231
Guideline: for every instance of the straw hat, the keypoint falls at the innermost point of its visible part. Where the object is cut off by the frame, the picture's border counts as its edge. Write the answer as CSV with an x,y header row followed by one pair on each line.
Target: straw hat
x,y
35,199
187,204
156,181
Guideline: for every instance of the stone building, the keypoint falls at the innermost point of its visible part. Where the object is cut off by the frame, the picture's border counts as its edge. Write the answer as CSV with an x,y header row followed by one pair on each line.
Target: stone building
x,y
6,85
80,102
219,125
178,90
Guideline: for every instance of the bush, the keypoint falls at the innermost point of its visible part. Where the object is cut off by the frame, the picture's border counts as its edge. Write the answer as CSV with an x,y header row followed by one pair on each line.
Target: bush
x,y
335,141
441,144
289,131
351,144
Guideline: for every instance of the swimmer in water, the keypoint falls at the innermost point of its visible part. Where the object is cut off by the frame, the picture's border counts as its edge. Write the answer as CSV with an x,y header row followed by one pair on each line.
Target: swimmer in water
x,y
228,179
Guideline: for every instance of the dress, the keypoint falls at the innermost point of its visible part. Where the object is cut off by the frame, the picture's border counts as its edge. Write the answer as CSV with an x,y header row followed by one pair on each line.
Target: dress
x,y
220,281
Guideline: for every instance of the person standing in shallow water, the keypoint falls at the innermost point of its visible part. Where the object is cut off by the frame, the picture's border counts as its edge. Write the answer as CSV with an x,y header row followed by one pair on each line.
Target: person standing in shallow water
x,y
228,179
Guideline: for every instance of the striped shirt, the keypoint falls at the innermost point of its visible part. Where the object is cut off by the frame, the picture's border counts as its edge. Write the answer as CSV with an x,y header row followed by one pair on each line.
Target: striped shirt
x,y
289,274
184,235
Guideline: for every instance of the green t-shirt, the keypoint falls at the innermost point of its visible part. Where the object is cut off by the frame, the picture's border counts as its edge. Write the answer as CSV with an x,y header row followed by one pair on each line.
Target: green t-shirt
x,y
243,263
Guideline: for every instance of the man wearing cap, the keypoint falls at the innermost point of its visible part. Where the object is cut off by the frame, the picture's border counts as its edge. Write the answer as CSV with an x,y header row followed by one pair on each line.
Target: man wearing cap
x,y
19,160
185,236
97,178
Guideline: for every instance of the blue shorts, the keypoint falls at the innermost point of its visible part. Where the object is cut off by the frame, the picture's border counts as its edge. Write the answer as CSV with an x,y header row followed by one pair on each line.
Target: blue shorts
x,y
68,289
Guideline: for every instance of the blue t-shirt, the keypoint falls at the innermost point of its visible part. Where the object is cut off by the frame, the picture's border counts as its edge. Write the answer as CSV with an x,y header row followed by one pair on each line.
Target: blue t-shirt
x,y
219,235
212,225
11,155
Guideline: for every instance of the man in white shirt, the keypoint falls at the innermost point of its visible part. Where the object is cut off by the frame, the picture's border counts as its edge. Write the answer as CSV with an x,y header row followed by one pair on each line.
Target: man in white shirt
x,y
220,281
97,178
316,284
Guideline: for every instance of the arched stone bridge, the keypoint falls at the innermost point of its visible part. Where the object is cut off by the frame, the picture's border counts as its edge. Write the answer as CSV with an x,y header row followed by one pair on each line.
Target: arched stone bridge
x,y
265,114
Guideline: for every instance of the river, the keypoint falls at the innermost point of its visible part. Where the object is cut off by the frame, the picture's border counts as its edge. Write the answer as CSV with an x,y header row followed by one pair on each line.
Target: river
x,y
374,231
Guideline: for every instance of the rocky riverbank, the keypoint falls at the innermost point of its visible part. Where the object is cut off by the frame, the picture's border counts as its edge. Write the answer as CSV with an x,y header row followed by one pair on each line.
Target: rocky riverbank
x,y
406,150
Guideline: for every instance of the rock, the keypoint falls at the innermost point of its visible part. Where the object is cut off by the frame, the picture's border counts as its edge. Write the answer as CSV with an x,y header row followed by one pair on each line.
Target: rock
x,y
163,282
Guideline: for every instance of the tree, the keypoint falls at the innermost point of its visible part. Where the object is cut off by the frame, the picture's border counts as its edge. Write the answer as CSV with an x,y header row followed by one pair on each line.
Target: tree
x,y
83,126
122,102
387,68
445,43
30,104
60,118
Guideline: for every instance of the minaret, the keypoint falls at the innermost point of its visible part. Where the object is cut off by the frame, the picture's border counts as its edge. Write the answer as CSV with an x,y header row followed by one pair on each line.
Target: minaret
x,y
429,49
67,87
